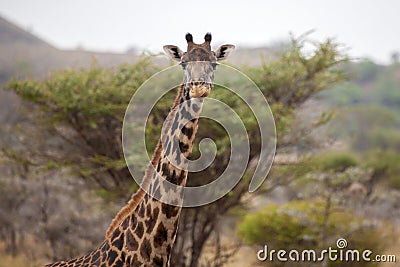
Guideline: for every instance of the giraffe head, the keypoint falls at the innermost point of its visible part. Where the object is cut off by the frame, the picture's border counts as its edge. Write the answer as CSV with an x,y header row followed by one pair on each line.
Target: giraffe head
x,y
199,63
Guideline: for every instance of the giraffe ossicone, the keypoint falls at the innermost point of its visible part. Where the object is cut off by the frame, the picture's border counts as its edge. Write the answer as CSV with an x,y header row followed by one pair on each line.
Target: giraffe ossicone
x,y
143,232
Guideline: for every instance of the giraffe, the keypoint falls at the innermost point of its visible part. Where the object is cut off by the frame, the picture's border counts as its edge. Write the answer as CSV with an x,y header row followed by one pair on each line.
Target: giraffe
x,y
144,230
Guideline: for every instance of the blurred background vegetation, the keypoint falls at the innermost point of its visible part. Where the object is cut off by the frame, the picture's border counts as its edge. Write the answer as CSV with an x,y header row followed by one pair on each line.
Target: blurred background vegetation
x,y
63,176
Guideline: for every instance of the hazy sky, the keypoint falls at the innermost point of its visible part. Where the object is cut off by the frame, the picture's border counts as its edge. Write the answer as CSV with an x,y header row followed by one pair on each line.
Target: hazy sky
x,y
368,27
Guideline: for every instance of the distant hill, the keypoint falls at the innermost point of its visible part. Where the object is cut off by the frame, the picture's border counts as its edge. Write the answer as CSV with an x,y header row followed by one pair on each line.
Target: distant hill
x,y
12,34
24,54
244,56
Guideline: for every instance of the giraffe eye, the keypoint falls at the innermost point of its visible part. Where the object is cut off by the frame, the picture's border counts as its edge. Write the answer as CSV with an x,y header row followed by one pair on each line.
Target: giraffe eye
x,y
183,64
214,64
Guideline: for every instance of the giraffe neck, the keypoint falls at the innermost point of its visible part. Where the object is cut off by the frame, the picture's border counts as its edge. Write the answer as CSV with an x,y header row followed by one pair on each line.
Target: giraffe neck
x,y
143,232
149,231
153,225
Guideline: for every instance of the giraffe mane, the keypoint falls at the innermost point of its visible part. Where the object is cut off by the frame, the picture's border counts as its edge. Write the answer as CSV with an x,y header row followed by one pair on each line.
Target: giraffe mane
x,y
137,197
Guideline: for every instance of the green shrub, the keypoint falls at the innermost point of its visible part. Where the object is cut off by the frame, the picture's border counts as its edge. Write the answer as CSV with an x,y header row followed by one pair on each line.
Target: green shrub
x,y
305,225
385,166
336,161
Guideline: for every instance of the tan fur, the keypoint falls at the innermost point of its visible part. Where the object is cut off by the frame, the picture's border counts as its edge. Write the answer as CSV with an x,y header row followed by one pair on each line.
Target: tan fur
x,y
138,196
192,45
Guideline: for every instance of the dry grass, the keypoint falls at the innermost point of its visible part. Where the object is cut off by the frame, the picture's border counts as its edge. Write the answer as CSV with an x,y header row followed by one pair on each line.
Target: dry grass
x,y
20,260
394,248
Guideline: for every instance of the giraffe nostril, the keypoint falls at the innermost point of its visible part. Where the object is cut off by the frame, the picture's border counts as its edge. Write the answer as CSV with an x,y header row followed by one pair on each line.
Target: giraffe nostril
x,y
197,83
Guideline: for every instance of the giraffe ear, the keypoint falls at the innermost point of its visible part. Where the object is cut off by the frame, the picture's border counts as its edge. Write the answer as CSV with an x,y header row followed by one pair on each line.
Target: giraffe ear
x,y
173,52
224,51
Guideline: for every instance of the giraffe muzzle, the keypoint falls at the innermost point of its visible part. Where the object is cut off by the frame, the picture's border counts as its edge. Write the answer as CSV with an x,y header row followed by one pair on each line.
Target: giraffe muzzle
x,y
197,91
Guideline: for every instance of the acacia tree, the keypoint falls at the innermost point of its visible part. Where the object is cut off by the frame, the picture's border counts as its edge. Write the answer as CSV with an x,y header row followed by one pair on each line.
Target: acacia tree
x,y
75,121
